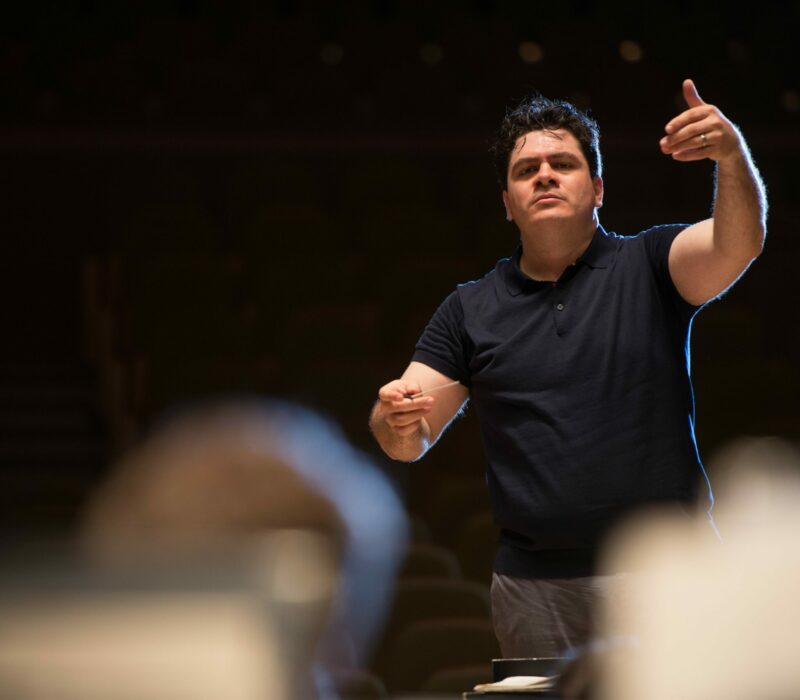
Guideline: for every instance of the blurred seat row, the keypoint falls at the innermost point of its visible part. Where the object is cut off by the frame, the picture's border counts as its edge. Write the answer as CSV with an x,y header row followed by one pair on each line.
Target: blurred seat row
x,y
437,637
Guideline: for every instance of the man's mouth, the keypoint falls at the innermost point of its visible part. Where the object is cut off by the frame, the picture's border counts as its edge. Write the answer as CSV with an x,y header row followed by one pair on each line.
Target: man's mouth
x,y
547,197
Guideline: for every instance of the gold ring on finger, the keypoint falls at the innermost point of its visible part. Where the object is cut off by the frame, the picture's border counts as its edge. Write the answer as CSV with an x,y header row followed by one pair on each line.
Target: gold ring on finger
x,y
704,141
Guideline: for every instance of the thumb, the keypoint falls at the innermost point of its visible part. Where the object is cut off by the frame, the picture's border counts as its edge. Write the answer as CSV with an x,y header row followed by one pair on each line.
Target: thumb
x,y
412,388
691,95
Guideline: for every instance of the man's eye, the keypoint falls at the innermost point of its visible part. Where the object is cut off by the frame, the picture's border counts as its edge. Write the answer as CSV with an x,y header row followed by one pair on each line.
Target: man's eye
x,y
563,165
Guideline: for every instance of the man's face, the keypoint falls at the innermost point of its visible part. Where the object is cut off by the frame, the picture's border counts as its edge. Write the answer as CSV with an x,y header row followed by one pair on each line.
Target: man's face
x,y
549,179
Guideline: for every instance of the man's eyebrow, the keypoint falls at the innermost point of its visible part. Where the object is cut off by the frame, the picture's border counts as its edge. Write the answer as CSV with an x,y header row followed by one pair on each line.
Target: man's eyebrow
x,y
550,156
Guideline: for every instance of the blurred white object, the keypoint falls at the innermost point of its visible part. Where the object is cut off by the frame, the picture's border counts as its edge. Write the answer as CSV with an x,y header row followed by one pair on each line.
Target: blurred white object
x,y
239,623
138,646
715,621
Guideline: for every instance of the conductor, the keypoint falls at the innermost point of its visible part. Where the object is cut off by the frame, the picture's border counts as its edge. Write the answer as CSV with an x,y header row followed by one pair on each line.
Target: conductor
x,y
574,354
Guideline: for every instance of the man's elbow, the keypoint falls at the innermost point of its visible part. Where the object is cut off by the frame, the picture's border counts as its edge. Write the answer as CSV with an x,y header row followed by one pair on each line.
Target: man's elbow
x,y
753,249
748,254
750,246
760,240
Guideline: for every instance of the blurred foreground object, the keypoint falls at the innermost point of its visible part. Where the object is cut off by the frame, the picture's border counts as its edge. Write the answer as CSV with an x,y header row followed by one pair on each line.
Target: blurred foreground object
x,y
259,513
234,622
714,620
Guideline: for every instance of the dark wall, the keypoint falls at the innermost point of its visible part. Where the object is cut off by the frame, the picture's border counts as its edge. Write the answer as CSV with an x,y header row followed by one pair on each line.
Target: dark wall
x,y
283,193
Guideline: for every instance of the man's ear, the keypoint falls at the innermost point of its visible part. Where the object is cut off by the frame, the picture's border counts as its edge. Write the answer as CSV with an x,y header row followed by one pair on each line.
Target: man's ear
x,y
509,215
597,182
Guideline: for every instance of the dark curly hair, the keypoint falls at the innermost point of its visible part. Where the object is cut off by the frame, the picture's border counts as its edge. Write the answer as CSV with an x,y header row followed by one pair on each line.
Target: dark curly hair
x,y
535,113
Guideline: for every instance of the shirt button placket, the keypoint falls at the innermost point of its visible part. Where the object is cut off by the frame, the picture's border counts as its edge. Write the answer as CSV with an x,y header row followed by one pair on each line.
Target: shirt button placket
x,y
559,310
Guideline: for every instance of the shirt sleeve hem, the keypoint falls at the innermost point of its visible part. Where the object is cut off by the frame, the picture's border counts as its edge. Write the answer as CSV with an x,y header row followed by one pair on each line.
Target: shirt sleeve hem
x,y
440,365
685,307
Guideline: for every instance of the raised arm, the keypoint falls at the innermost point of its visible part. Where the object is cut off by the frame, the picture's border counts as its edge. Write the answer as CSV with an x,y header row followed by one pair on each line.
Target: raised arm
x,y
708,257
406,428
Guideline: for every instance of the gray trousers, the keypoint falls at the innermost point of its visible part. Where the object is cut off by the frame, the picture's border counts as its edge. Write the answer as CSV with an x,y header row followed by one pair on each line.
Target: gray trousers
x,y
545,617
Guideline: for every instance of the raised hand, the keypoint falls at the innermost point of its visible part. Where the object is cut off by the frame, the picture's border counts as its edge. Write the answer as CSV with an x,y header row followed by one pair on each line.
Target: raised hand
x,y
701,131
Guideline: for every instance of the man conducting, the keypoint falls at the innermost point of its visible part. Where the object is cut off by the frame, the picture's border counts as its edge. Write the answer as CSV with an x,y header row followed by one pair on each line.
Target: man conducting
x,y
574,352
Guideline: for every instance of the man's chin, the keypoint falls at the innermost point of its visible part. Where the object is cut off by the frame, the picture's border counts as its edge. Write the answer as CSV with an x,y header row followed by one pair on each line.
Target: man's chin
x,y
551,214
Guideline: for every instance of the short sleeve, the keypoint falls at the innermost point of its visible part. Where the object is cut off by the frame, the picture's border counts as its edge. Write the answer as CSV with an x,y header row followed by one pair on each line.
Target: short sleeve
x,y
444,345
657,243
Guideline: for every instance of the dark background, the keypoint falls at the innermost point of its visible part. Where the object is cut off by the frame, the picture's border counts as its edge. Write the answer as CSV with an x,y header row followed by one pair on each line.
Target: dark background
x,y
202,199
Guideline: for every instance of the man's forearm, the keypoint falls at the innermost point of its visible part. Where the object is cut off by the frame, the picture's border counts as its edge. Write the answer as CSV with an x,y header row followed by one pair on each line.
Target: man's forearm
x,y
740,206
405,448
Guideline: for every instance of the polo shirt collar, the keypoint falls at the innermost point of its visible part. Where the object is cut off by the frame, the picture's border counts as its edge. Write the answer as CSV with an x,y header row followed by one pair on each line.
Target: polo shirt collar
x,y
599,255
601,251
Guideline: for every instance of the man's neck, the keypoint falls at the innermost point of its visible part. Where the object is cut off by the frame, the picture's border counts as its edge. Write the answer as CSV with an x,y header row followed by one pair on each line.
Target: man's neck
x,y
549,250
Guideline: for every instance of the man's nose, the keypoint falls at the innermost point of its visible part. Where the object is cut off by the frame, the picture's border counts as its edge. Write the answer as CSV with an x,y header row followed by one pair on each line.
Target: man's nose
x,y
545,174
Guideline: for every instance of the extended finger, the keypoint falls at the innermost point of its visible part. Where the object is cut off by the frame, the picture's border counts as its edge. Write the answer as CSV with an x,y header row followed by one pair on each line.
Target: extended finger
x,y
690,94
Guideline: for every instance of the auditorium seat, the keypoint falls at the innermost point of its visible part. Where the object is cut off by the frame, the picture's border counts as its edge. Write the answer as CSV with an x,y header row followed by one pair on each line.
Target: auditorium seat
x,y
428,598
424,648
420,531
458,679
451,500
475,545
429,560
357,684
421,599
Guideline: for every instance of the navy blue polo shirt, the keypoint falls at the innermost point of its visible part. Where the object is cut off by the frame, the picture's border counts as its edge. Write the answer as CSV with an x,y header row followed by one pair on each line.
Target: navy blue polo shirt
x,y
583,393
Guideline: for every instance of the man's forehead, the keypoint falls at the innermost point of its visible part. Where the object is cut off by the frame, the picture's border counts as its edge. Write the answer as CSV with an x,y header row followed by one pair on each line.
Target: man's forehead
x,y
546,140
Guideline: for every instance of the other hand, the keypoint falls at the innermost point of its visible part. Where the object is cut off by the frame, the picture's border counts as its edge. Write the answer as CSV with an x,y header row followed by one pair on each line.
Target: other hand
x,y
402,414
